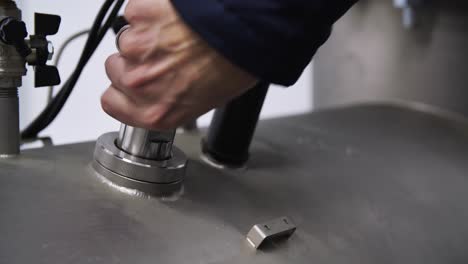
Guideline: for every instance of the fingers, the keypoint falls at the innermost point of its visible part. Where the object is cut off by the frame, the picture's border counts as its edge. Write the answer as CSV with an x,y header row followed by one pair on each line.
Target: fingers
x,y
144,38
141,39
124,77
116,67
143,10
144,83
118,105
137,43
122,73
121,107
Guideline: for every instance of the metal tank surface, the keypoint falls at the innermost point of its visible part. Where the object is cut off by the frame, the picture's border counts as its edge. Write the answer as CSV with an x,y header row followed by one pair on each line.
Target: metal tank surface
x,y
362,184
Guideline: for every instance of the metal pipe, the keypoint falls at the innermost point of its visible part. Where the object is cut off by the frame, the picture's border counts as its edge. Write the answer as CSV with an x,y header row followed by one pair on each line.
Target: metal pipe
x,y
9,122
232,128
12,68
145,143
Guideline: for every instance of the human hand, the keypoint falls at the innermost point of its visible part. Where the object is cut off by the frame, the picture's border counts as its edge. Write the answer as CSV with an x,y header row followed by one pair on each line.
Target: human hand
x,y
165,75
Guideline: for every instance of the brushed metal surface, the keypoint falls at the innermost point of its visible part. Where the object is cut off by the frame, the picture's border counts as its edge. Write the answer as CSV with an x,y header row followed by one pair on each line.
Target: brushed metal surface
x,y
145,143
364,184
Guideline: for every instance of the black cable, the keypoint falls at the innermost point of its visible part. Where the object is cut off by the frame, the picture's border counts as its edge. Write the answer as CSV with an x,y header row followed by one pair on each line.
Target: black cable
x,y
64,93
91,46
119,23
47,115
97,33
59,55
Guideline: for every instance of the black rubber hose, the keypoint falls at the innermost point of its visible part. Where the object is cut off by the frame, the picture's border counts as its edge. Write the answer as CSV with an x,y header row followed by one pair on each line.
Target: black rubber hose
x,y
233,127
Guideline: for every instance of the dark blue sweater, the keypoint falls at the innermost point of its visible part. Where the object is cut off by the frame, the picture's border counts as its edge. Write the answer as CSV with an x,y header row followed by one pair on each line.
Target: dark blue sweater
x,y
272,39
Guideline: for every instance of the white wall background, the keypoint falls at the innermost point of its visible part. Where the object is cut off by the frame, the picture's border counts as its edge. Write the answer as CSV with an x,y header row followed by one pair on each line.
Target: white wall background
x,y
82,118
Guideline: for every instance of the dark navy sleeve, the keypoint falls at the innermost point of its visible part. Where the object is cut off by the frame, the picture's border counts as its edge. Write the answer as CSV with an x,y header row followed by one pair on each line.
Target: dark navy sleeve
x,y
272,39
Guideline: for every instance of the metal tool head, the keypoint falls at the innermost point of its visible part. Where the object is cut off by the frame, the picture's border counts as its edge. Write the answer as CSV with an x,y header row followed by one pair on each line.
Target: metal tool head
x,y
151,176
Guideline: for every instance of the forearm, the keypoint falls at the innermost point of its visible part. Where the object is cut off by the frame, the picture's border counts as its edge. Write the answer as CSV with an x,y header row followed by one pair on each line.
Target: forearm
x,y
272,39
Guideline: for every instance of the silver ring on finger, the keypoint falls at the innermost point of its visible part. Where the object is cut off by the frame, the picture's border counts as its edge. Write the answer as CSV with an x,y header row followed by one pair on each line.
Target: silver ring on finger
x,y
119,34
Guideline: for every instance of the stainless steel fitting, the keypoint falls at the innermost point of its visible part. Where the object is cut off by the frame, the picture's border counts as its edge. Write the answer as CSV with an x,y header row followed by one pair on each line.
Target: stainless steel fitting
x,y
141,159
12,69
146,144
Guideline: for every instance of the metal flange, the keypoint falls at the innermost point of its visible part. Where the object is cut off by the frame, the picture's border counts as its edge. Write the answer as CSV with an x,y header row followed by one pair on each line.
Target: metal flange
x,y
149,176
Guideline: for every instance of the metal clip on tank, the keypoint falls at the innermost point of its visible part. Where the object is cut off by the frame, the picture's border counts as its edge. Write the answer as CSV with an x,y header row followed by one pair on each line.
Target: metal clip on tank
x,y
141,159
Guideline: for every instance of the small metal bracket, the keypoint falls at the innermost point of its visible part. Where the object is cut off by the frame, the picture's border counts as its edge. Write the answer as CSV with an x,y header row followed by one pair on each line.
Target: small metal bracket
x,y
275,229
46,141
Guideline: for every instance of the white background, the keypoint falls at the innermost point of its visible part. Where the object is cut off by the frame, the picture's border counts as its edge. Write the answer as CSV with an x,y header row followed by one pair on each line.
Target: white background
x,y
82,119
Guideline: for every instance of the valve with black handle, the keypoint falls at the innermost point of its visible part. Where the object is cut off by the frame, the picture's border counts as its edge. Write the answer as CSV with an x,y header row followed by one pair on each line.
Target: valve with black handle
x,y
17,50
37,50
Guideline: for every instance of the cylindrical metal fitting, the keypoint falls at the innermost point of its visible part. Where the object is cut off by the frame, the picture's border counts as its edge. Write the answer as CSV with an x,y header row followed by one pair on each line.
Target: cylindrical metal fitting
x,y
9,122
152,176
145,143
12,69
